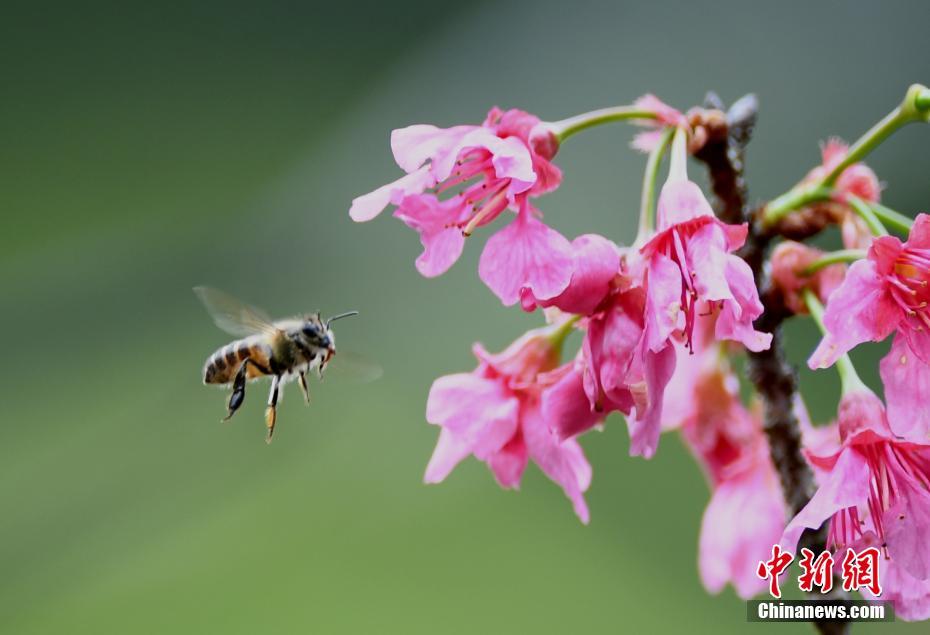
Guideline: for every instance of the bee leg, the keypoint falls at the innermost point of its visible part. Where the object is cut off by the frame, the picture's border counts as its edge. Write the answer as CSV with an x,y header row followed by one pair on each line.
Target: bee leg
x,y
237,396
302,377
271,412
324,361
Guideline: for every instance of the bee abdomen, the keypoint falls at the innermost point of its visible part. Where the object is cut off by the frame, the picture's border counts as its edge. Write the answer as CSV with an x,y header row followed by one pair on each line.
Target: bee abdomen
x,y
221,367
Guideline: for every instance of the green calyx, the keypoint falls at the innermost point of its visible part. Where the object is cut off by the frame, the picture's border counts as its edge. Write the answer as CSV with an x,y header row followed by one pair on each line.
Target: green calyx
x,y
916,104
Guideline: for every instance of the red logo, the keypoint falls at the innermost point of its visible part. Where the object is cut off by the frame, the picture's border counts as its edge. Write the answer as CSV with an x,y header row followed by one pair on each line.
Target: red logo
x,y
771,569
859,570
817,572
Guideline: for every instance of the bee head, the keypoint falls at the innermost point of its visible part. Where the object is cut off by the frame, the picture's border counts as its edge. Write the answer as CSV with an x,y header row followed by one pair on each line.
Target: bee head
x,y
316,333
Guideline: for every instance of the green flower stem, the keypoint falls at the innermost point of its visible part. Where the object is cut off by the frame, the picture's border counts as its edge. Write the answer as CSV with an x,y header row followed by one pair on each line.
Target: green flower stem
x,y
648,201
866,143
562,331
794,199
849,378
832,258
895,220
914,107
862,209
565,128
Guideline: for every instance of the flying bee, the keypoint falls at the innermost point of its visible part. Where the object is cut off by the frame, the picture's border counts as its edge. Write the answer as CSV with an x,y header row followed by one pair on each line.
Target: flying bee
x,y
283,349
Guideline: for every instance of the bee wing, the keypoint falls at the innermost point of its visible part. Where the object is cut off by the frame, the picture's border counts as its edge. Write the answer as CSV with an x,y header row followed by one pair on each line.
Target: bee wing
x,y
232,315
347,366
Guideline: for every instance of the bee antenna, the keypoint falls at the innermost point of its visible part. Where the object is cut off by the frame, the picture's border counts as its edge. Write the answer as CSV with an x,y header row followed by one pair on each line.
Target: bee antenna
x,y
340,316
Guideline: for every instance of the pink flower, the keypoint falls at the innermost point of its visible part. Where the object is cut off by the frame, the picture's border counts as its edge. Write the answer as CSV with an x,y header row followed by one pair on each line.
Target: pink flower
x,y
495,414
595,265
587,389
884,292
691,265
617,372
856,180
789,259
442,241
743,519
746,512
874,482
819,440
622,372
691,369
480,171
565,403
854,233
527,256
666,116
911,597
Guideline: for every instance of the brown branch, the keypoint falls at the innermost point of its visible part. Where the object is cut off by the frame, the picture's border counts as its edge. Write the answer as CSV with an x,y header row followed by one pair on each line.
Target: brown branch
x,y
774,378
723,155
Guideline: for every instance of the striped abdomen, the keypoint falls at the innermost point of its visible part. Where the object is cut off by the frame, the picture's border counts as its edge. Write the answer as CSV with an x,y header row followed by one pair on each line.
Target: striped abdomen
x,y
222,365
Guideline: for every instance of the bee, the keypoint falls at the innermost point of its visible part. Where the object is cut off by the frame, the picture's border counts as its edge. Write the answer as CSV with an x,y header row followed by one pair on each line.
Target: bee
x,y
283,349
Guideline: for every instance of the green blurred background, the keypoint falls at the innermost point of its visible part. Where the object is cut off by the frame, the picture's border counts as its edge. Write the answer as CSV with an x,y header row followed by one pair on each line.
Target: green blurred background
x,y
146,149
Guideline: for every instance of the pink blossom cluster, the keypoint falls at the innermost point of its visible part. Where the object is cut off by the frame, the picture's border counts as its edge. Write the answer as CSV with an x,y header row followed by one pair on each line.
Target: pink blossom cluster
x,y
875,483
661,321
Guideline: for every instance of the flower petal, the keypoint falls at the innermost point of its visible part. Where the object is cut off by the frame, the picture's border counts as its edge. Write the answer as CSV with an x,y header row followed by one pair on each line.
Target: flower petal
x,y
884,252
596,262
512,160
744,518
859,180
415,145
448,453
832,151
858,311
566,408
663,304
621,341
907,524
368,206
509,463
847,485
665,114
691,369
645,429
907,383
911,597
480,412
917,335
736,318
646,141
919,235
436,222
679,202
510,157
526,254
563,462
707,255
